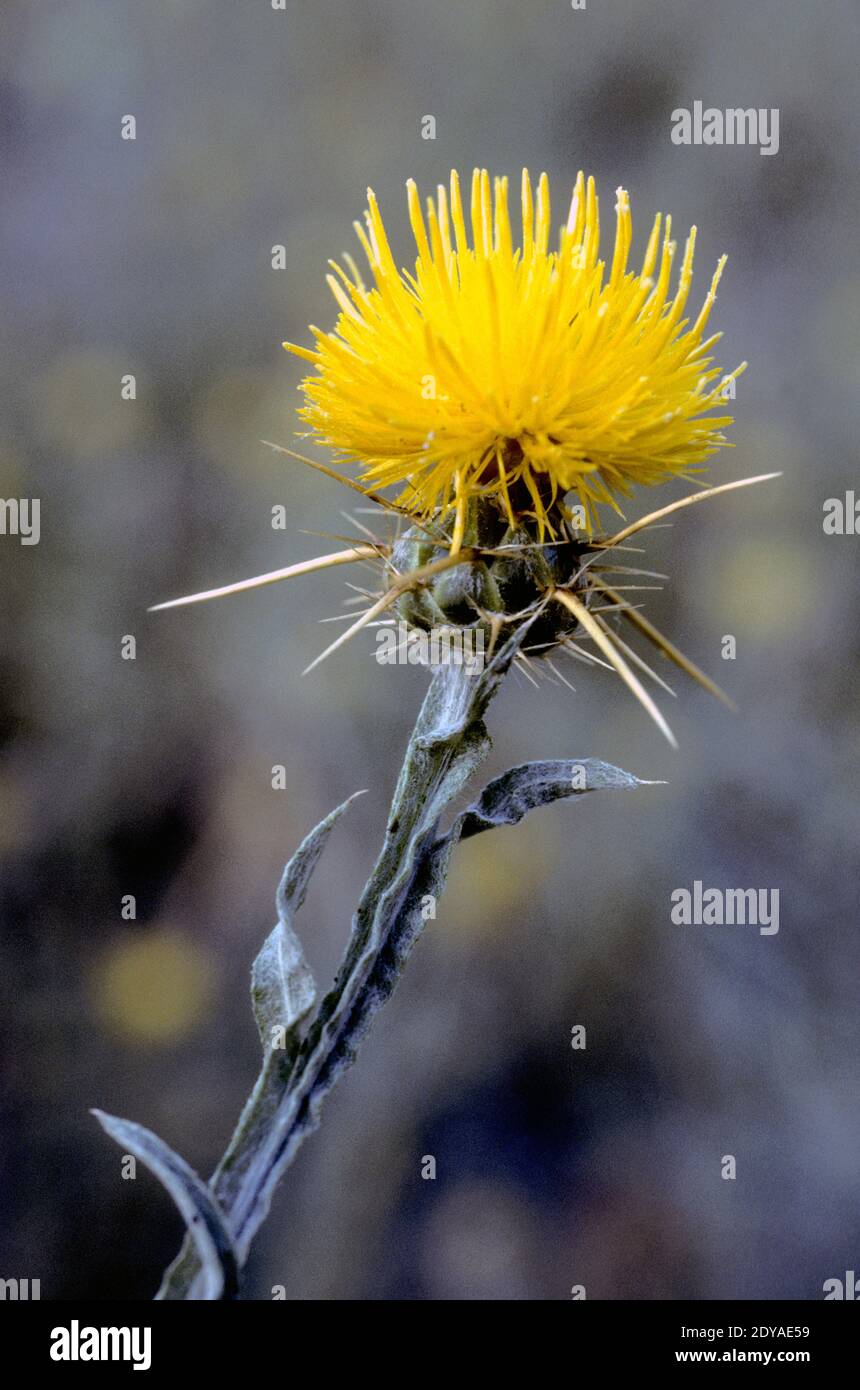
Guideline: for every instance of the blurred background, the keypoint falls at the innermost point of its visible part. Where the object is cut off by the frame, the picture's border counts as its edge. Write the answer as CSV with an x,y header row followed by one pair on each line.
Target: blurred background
x,y
152,777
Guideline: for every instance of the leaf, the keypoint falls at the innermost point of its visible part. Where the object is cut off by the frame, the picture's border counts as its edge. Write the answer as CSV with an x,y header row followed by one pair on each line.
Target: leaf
x,y
282,993
219,1266
508,798
282,986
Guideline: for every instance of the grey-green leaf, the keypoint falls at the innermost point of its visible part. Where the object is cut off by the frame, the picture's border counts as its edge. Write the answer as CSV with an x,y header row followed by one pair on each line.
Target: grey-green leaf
x,y
282,986
508,798
219,1267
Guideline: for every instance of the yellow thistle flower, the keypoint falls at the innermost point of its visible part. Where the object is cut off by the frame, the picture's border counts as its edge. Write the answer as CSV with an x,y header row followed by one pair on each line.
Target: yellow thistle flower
x,y
491,383
518,373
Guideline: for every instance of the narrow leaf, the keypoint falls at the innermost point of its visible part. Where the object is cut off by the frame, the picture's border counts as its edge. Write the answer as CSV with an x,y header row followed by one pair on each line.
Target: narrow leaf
x,y
200,1211
282,986
508,798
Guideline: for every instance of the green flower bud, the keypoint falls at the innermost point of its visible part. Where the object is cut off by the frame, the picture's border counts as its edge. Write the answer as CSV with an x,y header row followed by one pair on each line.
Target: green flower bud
x,y
494,591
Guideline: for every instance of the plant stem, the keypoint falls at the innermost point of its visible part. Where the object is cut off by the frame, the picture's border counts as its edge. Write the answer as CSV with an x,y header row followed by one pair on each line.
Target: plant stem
x,y
448,743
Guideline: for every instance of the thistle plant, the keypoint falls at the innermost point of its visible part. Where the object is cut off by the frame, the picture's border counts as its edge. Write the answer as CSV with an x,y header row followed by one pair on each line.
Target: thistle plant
x,y
506,396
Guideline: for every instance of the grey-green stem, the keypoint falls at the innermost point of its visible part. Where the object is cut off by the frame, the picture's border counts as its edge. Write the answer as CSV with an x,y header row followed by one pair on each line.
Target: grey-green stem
x,y
448,744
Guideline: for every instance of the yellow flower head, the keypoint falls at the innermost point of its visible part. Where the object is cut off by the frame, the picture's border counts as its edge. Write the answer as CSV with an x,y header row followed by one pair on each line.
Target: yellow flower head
x,y
520,373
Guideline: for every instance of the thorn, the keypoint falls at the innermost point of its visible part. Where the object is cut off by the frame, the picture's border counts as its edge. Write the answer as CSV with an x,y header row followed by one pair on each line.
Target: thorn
x,y
687,502
669,650
340,557
591,625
